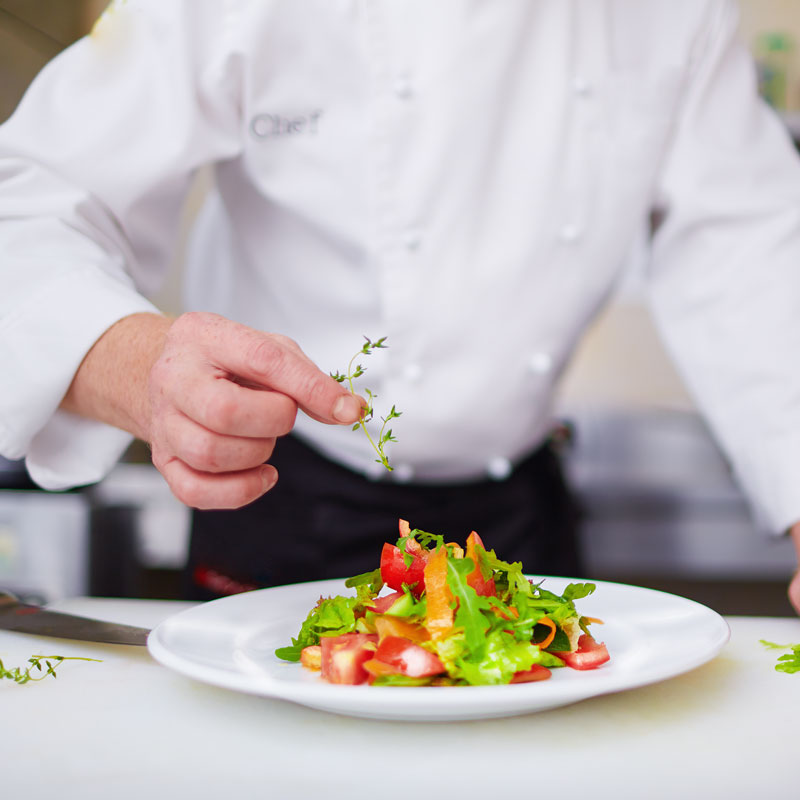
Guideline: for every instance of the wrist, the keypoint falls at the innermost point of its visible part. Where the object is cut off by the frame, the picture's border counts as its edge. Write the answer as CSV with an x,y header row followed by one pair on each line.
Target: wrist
x,y
111,384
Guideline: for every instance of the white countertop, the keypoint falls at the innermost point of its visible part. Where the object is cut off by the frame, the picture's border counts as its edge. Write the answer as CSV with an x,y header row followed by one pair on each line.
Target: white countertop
x,y
128,727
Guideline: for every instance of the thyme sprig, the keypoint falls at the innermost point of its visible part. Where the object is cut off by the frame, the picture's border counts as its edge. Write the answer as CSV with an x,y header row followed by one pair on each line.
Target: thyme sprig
x,y
26,674
354,371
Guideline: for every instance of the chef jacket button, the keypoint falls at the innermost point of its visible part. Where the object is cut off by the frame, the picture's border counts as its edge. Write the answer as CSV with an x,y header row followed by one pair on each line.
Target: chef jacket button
x,y
569,233
403,473
403,87
412,372
581,86
499,468
540,363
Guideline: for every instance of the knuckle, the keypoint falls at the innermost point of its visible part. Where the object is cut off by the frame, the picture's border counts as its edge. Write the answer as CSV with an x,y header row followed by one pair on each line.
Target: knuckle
x,y
201,451
267,355
220,411
182,325
272,353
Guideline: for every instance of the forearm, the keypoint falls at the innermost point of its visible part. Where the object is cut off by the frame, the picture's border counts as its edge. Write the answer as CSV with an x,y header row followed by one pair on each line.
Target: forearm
x,y
111,384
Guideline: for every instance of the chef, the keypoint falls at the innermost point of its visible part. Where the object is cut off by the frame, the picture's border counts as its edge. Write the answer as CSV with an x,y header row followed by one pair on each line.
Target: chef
x,y
462,178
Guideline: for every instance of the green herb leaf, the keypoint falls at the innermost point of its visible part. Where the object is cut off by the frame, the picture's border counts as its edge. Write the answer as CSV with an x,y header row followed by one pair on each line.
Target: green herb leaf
x,y
21,676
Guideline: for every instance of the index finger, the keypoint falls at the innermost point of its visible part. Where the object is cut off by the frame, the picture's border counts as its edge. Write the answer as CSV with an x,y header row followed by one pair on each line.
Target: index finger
x,y
277,362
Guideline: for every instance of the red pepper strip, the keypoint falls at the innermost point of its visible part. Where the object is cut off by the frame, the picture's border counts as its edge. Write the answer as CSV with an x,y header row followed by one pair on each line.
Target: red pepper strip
x,y
475,579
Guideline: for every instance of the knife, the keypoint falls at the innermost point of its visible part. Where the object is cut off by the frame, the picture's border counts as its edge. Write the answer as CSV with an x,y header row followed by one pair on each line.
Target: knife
x,y
24,618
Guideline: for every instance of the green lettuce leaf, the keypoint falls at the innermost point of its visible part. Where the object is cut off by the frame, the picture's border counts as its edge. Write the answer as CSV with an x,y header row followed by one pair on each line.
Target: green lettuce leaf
x,y
331,616
501,657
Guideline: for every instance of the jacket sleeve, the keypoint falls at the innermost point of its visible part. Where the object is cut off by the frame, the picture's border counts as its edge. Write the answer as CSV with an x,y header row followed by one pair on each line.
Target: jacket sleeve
x,y
94,166
725,269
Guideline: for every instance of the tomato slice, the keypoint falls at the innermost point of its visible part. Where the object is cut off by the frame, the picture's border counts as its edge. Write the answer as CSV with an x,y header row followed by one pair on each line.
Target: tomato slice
x,y
394,572
536,673
588,655
408,658
342,657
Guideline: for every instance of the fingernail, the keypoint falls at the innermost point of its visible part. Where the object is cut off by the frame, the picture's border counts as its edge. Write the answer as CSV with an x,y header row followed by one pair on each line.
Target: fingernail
x,y
269,477
347,408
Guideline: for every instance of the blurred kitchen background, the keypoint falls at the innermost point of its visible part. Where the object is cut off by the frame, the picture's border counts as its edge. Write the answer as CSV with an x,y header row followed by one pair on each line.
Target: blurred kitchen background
x,y
661,507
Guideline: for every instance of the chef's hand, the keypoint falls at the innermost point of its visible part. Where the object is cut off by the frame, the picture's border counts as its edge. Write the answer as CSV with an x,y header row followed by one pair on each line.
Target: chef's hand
x,y
794,586
210,396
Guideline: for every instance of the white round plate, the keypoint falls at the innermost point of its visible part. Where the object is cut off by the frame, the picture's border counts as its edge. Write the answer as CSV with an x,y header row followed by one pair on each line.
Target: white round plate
x,y
230,643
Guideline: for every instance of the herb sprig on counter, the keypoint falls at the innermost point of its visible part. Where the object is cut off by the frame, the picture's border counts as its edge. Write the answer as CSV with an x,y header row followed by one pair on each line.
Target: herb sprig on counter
x,y
788,662
39,668
354,371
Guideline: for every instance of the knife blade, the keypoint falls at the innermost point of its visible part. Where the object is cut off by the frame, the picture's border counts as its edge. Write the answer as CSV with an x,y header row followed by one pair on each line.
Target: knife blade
x,y
25,618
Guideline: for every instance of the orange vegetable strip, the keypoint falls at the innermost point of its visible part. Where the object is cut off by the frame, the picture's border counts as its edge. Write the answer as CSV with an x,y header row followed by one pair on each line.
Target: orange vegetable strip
x,y
550,636
392,626
377,668
440,614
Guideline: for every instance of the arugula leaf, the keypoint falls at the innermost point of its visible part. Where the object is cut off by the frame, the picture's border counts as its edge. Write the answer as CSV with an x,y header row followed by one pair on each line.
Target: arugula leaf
x,y
370,579
576,591
468,616
560,643
331,616
508,576
433,541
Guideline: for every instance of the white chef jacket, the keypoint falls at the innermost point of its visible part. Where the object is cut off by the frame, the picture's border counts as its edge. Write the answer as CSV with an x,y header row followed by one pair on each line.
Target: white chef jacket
x,y
462,177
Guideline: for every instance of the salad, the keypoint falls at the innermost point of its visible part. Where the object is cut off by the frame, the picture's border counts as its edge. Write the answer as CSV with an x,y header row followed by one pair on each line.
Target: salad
x,y
455,616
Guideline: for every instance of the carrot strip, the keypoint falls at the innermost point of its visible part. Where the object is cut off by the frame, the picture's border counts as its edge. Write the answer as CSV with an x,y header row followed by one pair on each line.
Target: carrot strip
x,y
392,626
550,636
440,614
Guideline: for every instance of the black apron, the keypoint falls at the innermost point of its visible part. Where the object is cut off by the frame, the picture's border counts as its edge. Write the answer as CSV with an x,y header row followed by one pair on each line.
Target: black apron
x,y
322,520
